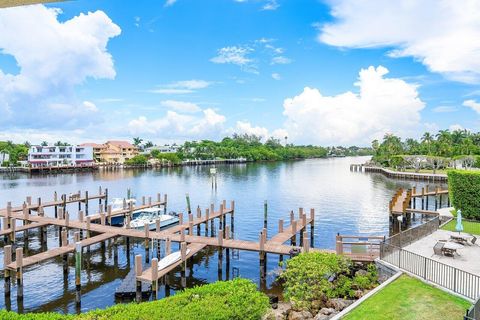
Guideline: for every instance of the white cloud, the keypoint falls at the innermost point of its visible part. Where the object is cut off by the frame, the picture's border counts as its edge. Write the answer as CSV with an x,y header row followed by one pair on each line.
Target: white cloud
x,y
242,127
472,104
234,55
246,127
271,5
191,84
181,106
444,109
208,124
276,76
443,35
280,60
53,58
381,105
169,3
90,106
171,91
109,100
455,127
182,87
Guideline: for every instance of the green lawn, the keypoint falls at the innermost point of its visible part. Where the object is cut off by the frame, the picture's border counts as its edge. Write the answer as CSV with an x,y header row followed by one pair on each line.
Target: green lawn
x,y
408,298
468,226
440,171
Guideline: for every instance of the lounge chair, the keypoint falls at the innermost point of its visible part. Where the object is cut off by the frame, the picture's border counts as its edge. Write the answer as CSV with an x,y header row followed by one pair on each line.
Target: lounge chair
x,y
474,239
437,249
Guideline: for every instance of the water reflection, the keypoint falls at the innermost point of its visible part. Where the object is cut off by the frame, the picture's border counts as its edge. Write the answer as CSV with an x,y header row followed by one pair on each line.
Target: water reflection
x,y
345,202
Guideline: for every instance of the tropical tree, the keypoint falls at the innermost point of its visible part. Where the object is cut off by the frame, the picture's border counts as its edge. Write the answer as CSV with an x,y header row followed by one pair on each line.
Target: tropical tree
x,y
137,141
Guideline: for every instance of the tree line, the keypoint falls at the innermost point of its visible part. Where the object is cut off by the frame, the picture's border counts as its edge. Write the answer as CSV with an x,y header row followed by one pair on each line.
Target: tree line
x,y
432,151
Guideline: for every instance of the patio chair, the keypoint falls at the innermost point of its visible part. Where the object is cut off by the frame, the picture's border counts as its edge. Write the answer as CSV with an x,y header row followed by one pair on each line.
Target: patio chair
x,y
437,249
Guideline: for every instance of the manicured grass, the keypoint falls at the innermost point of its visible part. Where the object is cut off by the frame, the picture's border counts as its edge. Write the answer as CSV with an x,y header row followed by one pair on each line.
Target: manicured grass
x,y
408,298
440,171
468,226
223,300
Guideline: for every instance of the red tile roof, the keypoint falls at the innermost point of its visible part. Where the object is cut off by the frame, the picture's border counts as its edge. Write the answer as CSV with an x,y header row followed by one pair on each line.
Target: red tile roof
x,y
120,143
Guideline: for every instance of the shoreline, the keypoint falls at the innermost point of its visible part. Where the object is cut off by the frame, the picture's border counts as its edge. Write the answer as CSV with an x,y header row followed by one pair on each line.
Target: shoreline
x,y
113,167
430,177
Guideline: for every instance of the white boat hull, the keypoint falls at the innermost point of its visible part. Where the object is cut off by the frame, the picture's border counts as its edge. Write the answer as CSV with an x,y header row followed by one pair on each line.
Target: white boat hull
x,y
170,259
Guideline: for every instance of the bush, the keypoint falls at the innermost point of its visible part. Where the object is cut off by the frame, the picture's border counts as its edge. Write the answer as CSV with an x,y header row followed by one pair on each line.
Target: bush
x,y
236,299
464,191
137,160
307,277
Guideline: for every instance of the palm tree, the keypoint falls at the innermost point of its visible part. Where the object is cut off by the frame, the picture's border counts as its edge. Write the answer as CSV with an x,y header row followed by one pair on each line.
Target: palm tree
x,y
44,143
137,141
427,139
148,144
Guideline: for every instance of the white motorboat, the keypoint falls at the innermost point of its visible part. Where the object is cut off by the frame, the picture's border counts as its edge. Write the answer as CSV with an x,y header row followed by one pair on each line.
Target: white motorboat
x,y
149,216
170,259
117,203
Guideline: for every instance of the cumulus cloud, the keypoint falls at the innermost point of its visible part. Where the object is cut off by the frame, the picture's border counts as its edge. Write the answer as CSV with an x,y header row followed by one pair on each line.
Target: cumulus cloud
x,y
246,127
443,35
181,106
276,76
53,58
381,105
475,106
209,124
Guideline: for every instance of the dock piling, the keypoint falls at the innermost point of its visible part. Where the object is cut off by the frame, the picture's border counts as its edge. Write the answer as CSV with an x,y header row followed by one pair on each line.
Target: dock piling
x,y
7,259
138,273
78,272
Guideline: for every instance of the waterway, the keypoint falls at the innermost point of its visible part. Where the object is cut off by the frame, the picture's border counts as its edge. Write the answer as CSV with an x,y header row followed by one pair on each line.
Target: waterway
x,y
345,202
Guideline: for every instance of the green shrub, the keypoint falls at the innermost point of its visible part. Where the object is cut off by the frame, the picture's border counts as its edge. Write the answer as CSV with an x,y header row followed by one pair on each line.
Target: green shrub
x,y
464,191
139,159
236,299
342,288
307,277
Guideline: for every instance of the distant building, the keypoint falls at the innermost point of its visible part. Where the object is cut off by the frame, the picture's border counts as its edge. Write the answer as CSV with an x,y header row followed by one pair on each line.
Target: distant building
x,y
167,148
4,157
113,151
53,156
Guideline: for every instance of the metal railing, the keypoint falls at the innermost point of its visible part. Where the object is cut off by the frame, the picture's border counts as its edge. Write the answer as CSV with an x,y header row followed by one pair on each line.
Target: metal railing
x,y
456,280
473,313
404,238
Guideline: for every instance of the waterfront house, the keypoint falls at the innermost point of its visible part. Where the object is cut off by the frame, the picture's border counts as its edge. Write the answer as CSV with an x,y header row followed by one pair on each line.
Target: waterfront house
x,y
113,151
60,156
4,157
167,148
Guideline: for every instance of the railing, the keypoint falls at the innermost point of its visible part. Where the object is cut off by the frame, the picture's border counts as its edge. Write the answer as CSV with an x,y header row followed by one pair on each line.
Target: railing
x,y
404,238
456,280
473,313
366,247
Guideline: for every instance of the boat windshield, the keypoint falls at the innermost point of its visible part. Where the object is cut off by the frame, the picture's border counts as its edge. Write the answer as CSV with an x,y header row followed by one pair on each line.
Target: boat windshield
x,y
147,215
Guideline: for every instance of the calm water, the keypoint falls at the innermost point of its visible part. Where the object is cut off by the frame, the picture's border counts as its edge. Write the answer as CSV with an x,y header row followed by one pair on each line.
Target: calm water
x,y
345,202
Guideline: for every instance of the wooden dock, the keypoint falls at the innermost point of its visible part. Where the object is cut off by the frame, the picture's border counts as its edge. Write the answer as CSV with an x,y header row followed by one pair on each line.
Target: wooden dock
x,y
96,229
404,200
431,177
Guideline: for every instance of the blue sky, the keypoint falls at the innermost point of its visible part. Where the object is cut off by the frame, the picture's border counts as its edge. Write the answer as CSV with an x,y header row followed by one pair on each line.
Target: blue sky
x,y
191,69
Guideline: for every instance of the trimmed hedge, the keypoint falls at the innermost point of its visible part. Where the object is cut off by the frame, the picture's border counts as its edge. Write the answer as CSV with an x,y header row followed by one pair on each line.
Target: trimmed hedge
x,y
235,299
464,191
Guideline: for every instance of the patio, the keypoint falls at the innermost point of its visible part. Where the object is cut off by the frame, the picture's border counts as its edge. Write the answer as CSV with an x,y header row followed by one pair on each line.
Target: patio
x,y
467,259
